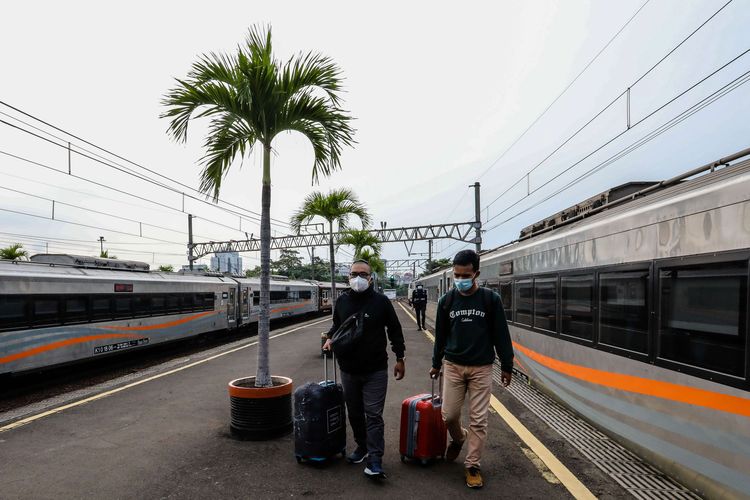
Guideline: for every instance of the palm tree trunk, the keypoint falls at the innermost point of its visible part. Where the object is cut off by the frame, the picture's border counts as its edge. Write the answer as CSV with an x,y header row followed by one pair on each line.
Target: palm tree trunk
x,y
333,267
262,376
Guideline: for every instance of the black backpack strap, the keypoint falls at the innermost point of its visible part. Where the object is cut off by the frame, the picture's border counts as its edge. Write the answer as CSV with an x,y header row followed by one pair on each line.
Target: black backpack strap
x,y
448,302
489,306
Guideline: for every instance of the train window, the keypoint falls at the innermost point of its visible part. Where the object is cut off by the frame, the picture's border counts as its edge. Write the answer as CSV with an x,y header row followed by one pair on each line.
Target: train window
x,y
545,304
244,296
173,303
623,306
506,296
576,306
76,309
256,298
158,304
524,303
187,303
100,307
141,305
208,301
305,295
702,316
279,296
12,310
45,310
123,307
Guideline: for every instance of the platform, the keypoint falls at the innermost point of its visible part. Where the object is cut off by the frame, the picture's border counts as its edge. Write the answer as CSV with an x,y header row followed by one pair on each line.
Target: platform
x,y
165,434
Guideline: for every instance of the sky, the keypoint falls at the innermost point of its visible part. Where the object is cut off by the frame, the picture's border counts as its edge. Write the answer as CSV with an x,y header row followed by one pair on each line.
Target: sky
x,y
440,91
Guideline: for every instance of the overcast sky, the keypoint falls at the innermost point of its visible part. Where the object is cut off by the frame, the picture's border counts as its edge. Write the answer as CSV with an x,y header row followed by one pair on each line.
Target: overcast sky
x,y
439,91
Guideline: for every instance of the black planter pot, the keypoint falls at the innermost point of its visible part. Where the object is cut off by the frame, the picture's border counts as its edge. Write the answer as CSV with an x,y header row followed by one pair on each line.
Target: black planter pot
x,y
260,413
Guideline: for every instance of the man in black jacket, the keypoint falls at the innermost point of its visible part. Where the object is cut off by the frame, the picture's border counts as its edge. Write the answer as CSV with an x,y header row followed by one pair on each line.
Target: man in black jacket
x,y
364,372
419,303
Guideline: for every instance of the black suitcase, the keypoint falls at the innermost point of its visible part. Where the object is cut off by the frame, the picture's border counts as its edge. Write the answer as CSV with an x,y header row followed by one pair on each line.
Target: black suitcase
x,y
319,419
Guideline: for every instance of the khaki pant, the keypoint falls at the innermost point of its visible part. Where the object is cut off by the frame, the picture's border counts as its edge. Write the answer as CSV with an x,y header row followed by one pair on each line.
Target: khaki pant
x,y
477,380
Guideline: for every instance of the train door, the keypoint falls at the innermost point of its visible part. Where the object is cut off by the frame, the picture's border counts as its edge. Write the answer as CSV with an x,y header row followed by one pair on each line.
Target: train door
x,y
232,308
245,303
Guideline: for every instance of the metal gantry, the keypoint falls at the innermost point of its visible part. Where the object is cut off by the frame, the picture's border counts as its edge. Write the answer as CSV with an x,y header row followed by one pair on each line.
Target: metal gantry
x,y
461,231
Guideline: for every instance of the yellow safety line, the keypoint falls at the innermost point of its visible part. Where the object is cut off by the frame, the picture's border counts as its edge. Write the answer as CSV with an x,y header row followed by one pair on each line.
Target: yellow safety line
x,y
567,478
101,395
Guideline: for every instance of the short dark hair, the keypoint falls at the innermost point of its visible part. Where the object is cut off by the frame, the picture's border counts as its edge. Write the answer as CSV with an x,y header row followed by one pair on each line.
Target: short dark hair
x,y
466,257
362,261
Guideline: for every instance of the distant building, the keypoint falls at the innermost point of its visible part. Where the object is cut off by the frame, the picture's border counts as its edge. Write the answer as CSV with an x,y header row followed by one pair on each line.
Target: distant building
x,y
227,262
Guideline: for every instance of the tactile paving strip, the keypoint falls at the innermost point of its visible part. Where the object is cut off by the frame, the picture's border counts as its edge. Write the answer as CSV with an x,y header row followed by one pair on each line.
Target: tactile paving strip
x,y
637,477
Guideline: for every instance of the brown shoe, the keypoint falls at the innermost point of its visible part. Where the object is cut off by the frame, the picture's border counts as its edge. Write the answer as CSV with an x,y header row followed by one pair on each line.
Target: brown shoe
x,y
455,448
473,478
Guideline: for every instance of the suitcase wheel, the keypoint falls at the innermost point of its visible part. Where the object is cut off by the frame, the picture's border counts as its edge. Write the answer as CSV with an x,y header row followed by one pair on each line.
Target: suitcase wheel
x,y
299,459
424,461
403,458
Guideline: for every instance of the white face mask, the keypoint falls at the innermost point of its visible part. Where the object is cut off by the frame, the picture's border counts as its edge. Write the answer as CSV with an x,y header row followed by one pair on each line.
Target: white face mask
x,y
359,284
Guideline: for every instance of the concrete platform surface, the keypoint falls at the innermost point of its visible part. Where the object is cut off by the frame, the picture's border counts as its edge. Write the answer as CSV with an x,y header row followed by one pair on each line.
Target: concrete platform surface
x,y
168,437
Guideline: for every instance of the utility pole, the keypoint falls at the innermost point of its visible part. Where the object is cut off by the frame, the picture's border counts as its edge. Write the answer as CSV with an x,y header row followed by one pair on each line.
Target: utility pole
x,y
429,256
312,261
477,217
190,241
101,245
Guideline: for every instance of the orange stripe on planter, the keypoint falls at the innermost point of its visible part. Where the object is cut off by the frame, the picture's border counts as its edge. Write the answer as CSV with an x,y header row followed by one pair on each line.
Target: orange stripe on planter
x,y
648,387
160,325
63,343
260,392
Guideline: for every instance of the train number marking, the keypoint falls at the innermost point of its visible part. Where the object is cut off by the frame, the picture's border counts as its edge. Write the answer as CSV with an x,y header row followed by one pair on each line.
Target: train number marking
x,y
102,349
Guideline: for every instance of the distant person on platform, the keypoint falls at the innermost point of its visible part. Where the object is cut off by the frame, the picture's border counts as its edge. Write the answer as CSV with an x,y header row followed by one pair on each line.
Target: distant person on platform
x,y
364,373
469,330
419,303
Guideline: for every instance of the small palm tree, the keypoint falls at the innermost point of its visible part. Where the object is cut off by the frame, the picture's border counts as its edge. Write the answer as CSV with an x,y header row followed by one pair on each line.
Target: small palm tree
x,y
250,98
14,252
104,254
361,239
337,206
168,268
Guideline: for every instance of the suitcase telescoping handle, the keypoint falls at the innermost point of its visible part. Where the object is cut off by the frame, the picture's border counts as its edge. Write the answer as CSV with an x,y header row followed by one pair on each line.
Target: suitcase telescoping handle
x,y
440,385
325,367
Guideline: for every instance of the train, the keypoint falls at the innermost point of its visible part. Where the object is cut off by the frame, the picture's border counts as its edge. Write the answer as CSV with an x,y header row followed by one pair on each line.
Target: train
x,y
631,308
57,309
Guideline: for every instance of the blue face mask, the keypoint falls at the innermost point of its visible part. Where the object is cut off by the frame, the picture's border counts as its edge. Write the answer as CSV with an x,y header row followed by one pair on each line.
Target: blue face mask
x,y
464,285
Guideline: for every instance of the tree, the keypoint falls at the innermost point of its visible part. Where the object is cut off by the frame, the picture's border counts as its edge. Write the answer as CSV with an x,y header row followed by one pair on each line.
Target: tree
x,y
253,273
14,252
169,268
437,264
361,239
289,264
336,206
250,97
104,254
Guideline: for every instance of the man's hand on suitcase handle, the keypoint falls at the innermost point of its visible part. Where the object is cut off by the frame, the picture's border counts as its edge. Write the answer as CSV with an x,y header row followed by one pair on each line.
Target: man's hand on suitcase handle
x,y
434,372
327,345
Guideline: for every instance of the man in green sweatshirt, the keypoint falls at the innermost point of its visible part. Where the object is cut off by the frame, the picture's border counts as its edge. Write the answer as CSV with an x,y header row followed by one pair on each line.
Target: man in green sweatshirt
x,y
470,328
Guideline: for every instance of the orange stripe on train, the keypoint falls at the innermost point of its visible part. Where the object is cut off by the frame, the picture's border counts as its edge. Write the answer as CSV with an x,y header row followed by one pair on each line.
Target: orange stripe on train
x,y
160,325
648,387
63,343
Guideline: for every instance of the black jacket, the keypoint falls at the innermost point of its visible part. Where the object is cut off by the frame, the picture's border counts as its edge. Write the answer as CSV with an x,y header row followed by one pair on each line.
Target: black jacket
x,y
371,354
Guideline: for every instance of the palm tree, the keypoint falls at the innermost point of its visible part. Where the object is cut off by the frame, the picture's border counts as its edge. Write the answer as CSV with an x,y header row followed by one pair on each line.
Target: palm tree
x,y
250,98
14,252
104,254
361,239
336,206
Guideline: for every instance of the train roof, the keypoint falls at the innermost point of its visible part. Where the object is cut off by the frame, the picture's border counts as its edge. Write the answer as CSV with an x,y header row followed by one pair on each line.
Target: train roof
x,y
89,262
693,184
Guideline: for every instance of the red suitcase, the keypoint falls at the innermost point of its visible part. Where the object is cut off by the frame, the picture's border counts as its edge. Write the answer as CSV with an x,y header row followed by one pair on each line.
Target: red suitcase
x,y
423,433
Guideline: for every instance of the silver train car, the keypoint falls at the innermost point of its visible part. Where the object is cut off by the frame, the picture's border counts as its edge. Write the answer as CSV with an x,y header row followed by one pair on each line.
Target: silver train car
x,y
58,309
632,309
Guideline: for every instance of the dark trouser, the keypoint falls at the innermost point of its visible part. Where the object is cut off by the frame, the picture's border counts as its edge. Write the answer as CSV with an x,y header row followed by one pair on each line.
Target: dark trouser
x,y
420,316
365,398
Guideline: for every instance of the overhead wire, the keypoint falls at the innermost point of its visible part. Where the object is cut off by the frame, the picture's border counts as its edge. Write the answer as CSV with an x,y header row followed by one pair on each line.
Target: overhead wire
x,y
29,115
715,96
567,87
598,114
